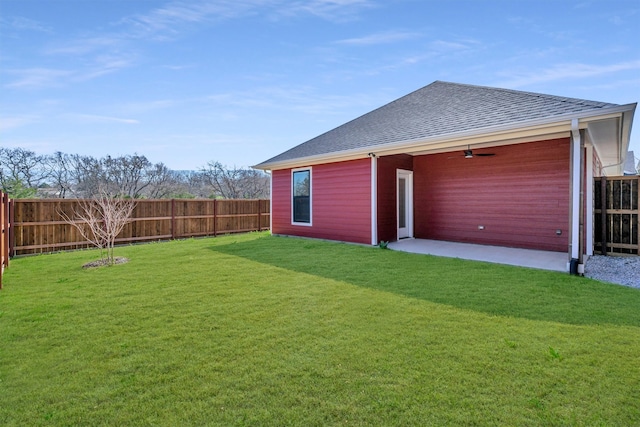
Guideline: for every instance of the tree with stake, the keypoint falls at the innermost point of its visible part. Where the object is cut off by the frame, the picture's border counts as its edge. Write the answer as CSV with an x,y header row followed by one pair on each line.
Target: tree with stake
x,y
100,220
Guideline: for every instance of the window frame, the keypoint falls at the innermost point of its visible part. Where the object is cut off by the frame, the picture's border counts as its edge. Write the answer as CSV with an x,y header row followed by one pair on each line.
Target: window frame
x,y
293,171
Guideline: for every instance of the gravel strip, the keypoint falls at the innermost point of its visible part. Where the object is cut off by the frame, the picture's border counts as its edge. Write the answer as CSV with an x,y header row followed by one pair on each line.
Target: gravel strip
x,y
614,269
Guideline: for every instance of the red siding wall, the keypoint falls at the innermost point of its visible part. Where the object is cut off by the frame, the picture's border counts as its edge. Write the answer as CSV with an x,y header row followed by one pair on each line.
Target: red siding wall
x,y
387,221
340,207
520,196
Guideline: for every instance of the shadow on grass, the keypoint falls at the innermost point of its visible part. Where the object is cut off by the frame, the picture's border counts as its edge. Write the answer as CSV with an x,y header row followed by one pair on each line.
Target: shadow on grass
x,y
483,287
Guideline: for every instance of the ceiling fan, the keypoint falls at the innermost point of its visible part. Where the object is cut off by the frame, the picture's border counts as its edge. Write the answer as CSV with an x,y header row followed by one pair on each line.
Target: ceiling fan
x,y
468,153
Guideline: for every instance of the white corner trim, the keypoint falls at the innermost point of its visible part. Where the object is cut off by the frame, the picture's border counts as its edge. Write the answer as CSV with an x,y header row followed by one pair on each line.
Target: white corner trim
x,y
374,200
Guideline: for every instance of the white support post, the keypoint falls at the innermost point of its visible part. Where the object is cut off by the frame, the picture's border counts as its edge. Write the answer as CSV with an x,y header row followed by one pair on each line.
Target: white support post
x,y
374,199
576,187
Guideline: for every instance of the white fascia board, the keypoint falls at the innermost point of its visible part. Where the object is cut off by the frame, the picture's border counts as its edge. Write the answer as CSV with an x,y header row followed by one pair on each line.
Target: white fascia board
x,y
339,156
530,128
626,125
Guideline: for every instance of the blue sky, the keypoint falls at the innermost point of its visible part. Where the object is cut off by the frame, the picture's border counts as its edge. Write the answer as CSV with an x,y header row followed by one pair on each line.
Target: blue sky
x,y
239,81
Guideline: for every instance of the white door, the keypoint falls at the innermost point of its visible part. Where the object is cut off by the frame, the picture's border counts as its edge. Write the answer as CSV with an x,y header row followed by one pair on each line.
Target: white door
x,y
404,188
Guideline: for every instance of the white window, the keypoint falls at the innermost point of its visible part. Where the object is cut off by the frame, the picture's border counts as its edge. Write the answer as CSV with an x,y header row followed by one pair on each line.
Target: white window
x,y
301,196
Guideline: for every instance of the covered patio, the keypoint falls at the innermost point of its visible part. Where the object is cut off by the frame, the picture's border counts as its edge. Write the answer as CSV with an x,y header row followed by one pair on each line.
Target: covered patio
x,y
544,260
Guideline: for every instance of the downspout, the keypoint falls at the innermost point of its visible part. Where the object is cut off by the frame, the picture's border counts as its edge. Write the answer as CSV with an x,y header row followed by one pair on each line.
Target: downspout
x,y
581,208
271,202
374,199
576,265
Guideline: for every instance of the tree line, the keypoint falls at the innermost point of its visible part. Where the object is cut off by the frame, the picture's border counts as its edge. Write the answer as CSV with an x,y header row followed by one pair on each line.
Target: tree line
x,y
25,174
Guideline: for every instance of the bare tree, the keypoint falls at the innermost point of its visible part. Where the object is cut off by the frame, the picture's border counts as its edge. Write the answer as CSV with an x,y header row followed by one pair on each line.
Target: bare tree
x,y
100,220
127,174
193,183
20,168
255,184
60,173
87,175
235,183
131,176
162,181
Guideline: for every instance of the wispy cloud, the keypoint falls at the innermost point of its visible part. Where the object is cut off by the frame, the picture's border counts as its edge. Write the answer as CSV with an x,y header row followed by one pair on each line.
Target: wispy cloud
x,y
105,64
144,107
563,72
436,49
24,24
380,38
84,45
527,24
168,21
92,118
331,10
178,67
37,78
449,46
32,78
171,20
300,99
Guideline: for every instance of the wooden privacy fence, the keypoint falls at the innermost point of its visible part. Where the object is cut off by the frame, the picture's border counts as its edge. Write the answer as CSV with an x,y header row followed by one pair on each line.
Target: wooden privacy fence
x,y
5,235
616,213
38,226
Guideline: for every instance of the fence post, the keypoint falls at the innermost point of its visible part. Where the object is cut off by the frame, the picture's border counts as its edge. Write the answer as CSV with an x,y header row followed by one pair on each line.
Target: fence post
x,y
173,219
603,214
5,238
12,231
5,229
259,215
215,219
4,252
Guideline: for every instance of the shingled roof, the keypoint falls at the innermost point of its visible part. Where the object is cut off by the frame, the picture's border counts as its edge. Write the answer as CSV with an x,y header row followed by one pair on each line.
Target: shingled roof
x,y
438,109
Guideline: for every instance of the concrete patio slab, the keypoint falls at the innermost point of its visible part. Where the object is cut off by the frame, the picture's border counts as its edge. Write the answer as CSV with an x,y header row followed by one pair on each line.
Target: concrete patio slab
x,y
544,260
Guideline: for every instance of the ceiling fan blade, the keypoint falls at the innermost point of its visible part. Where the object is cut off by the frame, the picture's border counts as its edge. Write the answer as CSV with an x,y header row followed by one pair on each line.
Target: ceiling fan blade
x,y
469,154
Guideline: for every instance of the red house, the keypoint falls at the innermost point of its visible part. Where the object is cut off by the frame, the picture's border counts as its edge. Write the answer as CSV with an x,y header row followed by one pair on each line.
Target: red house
x,y
459,163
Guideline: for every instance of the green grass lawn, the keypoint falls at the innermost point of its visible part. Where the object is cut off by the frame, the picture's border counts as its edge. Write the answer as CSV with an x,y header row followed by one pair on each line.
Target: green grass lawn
x,y
260,330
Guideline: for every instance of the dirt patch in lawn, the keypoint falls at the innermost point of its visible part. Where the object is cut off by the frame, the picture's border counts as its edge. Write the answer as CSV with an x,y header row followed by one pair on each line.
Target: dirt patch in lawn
x,y
103,262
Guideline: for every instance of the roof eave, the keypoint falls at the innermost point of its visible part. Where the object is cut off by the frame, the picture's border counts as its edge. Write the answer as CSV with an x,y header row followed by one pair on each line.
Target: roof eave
x,y
612,147
543,126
